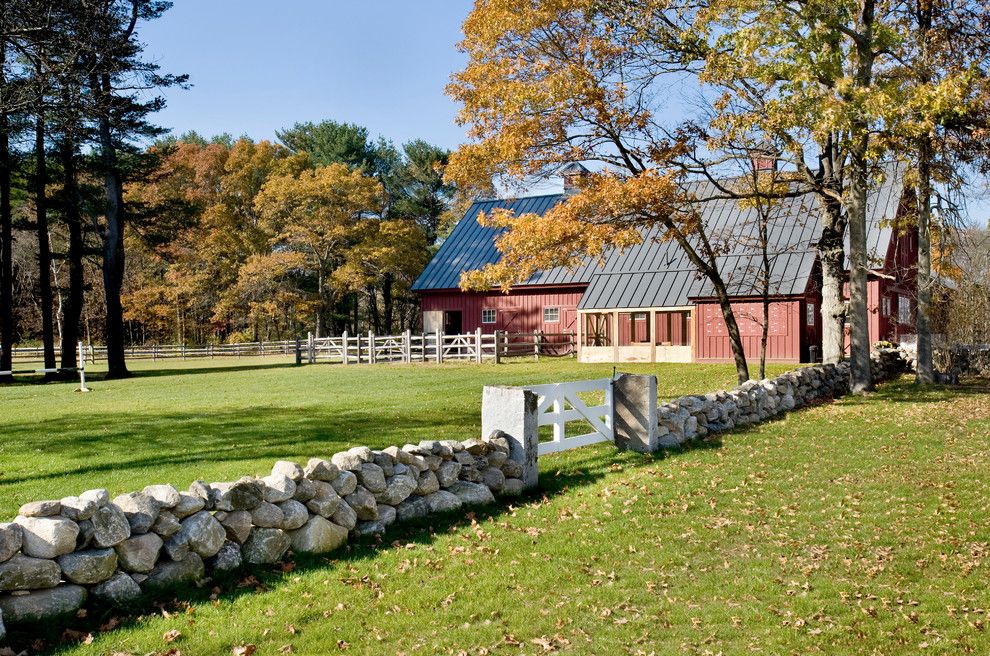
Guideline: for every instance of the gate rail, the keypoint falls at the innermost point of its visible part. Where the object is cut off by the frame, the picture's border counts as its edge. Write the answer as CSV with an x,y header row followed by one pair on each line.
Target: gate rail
x,y
560,403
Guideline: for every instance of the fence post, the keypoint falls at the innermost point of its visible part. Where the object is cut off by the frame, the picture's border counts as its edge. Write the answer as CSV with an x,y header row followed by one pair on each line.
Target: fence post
x,y
634,413
310,349
477,345
498,353
298,351
407,346
536,344
371,348
82,369
343,348
261,347
512,411
439,347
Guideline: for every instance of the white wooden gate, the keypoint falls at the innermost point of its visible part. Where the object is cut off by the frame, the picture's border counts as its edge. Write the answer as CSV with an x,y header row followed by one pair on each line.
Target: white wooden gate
x,y
559,403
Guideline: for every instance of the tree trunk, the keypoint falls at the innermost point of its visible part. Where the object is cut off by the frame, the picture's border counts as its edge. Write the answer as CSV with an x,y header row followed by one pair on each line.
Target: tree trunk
x,y
859,343
321,308
923,279
925,373
44,245
832,259
113,241
6,235
732,328
388,304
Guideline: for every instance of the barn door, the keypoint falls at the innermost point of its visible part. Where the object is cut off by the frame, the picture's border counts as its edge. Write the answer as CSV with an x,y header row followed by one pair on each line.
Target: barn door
x,y
507,320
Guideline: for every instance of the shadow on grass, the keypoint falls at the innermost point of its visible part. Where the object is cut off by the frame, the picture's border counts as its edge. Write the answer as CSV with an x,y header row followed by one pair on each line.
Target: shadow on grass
x,y
579,468
154,441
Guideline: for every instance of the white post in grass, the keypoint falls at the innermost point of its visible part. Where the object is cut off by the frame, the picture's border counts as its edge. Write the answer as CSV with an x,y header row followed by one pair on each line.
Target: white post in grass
x,y
343,348
477,345
82,369
310,349
407,346
439,336
371,348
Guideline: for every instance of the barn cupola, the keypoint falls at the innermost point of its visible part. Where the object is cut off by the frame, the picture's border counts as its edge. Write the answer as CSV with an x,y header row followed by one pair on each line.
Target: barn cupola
x,y
764,157
573,174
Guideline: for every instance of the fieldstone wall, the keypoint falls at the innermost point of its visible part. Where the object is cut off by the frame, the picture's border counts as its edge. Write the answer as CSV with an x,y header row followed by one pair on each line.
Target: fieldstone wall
x,y
692,417
57,554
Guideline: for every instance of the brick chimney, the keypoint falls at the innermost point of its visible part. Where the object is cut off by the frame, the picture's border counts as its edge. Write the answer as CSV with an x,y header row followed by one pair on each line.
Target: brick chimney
x,y
572,174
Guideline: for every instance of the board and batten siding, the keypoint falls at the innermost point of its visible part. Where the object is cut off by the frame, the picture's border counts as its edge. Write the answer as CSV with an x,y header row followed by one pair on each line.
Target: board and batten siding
x,y
783,340
521,311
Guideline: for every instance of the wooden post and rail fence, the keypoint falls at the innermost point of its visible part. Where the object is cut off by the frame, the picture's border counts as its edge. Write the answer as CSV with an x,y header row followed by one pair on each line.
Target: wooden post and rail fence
x,y
366,348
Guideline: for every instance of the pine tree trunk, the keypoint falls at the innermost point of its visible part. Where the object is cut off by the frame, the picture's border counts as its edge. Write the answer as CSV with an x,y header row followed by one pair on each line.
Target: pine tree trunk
x,y
6,235
46,299
113,242
832,259
388,304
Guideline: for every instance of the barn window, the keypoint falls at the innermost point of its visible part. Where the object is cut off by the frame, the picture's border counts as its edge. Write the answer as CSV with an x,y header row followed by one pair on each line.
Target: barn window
x,y
903,310
488,315
551,315
885,307
809,314
640,328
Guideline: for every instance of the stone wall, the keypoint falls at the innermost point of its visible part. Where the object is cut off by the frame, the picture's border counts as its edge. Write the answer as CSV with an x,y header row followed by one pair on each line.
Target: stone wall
x,y
692,417
57,554
963,360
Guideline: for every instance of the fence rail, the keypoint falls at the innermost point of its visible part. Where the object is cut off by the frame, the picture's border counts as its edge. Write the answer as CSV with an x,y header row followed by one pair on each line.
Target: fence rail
x,y
436,347
366,348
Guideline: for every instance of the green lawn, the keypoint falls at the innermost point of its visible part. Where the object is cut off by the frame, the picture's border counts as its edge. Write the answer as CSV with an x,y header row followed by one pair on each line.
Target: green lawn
x,y
217,420
859,527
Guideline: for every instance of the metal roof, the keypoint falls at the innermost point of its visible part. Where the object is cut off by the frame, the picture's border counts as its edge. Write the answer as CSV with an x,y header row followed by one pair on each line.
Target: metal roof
x,y
656,272
471,246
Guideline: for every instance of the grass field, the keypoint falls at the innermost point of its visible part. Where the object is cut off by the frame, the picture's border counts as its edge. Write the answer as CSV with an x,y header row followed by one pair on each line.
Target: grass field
x,y
859,527
177,421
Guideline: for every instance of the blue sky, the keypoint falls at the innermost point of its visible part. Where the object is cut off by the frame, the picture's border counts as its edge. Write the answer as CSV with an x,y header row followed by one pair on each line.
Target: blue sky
x,y
257,66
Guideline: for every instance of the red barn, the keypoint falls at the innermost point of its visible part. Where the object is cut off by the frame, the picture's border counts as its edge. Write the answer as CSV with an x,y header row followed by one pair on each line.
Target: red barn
x,y
649,304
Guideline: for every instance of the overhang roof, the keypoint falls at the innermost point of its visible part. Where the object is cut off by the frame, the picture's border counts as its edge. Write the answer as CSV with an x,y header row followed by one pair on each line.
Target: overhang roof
x,y
657,272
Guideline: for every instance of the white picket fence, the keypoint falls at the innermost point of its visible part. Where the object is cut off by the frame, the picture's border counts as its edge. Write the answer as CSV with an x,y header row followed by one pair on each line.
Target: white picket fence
x,y
436,347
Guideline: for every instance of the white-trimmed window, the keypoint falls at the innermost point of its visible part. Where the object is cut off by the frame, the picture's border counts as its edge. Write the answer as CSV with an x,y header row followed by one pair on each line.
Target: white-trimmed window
x,y
551,315
903,310
809,314
489,315
885,310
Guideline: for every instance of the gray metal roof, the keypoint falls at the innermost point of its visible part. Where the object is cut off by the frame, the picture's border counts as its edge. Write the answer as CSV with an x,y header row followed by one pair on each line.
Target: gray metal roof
x,y
471,246
657,272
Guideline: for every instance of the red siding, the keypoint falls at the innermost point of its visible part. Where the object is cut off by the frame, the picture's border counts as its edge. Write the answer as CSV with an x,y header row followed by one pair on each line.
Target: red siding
x,y
783,342
670,328
520,311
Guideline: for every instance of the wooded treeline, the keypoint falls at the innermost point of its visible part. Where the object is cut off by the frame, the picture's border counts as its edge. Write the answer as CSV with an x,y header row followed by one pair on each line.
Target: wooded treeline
x,y
323,232
224,238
